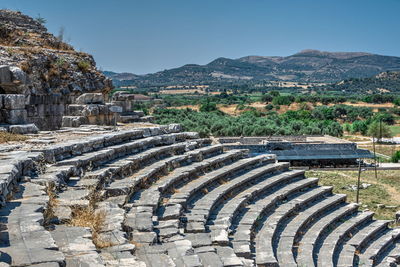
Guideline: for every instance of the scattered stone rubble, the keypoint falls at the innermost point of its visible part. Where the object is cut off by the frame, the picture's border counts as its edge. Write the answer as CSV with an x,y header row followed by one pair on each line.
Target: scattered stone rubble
x,y
169,198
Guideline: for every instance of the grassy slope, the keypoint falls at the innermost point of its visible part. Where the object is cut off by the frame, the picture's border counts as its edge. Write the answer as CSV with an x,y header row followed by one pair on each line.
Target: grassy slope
x,y
385,190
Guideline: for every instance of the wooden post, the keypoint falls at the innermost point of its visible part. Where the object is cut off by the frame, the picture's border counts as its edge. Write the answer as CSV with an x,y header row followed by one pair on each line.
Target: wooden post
x,y
358,181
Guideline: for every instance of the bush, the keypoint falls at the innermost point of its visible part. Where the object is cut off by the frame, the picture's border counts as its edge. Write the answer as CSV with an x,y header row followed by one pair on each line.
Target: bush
x,y
208,106
84,65
269,107
396,157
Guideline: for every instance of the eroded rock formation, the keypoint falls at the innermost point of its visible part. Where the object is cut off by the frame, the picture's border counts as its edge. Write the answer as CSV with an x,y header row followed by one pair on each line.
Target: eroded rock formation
x,y
47,72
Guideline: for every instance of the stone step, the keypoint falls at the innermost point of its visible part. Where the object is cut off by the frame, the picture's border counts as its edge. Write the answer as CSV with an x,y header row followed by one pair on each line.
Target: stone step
x,y
14,165
152,195
392,258
81,189
372,252
308,243
149,199
77,246
75,147
243,235
337,237
206,204
24,240
127,165
228,256
359,240
188,191
125,187
99,157
230,208
293,228
264,240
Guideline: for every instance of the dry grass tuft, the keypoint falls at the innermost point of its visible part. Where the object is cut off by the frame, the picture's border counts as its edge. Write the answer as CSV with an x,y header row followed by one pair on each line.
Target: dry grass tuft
x,y
51,205
9,137
87,217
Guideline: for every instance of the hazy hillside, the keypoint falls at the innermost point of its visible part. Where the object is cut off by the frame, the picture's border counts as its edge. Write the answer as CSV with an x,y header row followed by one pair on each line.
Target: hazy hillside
x,y
385,82
305,66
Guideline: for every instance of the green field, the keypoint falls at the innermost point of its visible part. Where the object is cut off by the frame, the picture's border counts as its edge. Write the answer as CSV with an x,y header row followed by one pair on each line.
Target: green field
x,y
395,130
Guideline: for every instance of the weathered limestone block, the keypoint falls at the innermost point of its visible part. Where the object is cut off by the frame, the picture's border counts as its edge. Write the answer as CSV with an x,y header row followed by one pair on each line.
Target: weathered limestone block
x,y
5,75
90,98
123,96
23,129
74,121
174,128
127,106
13,101
15,116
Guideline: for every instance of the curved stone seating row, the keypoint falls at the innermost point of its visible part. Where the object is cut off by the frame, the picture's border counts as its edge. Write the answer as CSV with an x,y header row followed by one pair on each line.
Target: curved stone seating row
x,y
221,220
24,239
265,254
95,180
206,204
244,232
309,240
392,258
168,198
350,249
148,200
337,236
188,191
369,256
126,187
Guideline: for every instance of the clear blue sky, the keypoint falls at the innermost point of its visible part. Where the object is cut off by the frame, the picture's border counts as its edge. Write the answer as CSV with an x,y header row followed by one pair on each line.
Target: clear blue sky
x,y
147,36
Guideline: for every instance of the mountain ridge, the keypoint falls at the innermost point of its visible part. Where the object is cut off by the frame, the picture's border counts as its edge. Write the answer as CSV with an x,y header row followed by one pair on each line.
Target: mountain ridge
x,y
305,66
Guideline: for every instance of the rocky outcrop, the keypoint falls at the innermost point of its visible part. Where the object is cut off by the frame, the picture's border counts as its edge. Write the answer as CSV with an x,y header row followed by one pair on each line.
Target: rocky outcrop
x,y
48,73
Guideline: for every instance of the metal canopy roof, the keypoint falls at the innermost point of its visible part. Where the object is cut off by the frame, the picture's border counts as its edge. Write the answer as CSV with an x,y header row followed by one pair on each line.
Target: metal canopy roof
x,y
321,154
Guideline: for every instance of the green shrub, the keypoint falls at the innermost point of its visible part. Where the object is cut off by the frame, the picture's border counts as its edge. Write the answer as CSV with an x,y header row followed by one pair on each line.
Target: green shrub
x,y
396,157
84,65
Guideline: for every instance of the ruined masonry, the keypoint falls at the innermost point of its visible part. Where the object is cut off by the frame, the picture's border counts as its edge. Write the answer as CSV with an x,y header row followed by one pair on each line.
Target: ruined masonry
x,y
169,198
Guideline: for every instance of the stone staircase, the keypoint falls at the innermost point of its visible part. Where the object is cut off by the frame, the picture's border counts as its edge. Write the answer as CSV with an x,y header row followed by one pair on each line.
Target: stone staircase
x,y
162,197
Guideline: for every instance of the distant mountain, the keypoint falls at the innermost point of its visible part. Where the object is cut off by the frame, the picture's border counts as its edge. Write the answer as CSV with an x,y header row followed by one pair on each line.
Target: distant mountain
x,y
305,66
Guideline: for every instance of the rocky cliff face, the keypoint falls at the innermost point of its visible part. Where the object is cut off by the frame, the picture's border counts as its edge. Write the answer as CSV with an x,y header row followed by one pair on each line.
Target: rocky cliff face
x,y
34,61
41,73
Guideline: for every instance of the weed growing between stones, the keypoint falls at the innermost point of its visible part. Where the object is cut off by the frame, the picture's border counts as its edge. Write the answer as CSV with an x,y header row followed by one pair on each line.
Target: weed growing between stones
x,y
9,137
51,204
88,217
